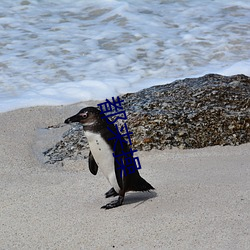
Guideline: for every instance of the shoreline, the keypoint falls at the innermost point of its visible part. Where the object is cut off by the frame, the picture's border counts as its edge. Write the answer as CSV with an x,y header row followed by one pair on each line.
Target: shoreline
x,y
201,198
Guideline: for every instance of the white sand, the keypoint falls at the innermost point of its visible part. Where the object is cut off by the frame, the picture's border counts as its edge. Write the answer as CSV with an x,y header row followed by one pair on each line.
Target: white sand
x,y
202,198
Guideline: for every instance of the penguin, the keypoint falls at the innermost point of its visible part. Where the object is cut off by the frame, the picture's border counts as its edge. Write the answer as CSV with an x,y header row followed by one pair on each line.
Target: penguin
x,y
97,130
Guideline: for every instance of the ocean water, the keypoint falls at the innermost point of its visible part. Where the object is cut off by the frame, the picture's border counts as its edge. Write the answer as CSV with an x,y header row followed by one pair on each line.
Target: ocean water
x,y
61,52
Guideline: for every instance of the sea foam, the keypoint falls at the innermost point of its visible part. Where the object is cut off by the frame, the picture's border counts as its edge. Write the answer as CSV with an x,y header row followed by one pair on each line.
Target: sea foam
x,y
63,52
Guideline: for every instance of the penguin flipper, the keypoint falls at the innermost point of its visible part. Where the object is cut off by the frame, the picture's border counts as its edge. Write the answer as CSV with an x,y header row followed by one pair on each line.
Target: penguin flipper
x,y
93,167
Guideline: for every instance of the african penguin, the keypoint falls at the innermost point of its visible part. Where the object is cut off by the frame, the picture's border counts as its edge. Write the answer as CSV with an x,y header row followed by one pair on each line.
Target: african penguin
x,y
101,155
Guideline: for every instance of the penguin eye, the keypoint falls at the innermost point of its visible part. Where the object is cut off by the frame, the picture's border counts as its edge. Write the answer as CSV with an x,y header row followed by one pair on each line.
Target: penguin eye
x,y
84,115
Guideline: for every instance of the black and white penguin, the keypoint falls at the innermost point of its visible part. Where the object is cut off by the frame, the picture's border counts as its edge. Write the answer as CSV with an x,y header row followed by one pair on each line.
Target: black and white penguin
x,y
101,155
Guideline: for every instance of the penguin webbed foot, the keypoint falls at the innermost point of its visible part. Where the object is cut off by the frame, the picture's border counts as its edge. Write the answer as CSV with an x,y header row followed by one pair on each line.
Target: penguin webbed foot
x,y
113,204
111,193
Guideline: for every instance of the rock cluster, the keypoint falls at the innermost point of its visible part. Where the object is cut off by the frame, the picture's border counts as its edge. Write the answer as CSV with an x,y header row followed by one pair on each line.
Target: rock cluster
x,y
190,113
72,146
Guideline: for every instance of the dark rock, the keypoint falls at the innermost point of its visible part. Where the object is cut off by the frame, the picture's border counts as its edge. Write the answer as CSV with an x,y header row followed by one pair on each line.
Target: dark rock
x,y
190,113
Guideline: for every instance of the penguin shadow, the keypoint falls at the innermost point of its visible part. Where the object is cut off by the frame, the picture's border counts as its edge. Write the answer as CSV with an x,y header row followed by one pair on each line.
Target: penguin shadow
x,y
138,198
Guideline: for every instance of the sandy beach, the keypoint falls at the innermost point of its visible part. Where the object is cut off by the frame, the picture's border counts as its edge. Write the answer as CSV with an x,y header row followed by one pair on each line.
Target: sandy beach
x,y
201,198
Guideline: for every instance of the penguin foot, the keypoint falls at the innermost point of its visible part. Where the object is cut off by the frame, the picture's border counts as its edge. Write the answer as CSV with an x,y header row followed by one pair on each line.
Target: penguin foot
x,y
111,193
113,204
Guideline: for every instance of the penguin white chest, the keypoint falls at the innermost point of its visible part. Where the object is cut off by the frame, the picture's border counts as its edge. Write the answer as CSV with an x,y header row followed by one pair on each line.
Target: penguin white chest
x,y
103,156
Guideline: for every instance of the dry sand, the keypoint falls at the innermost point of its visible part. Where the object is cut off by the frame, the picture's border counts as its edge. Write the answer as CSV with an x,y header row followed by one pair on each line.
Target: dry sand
x,y
201,201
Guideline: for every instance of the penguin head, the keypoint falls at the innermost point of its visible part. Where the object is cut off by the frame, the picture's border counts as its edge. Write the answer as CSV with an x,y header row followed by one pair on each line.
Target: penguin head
x,y
87,117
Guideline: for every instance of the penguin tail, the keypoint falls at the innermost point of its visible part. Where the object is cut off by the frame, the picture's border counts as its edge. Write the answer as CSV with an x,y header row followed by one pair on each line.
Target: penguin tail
x,y
141,185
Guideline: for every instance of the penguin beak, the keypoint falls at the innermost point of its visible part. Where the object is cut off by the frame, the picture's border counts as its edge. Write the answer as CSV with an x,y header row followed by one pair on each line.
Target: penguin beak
x,y
74,118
